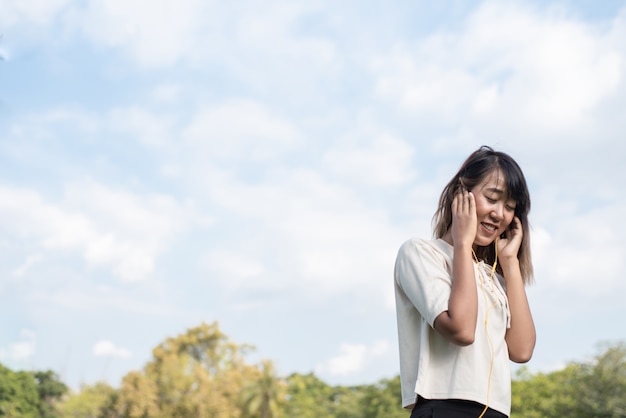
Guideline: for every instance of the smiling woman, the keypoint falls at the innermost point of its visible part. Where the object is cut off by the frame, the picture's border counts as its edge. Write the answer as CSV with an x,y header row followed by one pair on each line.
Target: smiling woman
x,y
461,306
495,177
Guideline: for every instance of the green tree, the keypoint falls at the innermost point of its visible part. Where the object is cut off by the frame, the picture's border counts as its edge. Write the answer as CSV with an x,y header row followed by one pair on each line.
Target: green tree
x,y
137,397
18,394
308,397
602,384
92,401
50,390
264,396
551,395
596,388
382,400
196,374
347,401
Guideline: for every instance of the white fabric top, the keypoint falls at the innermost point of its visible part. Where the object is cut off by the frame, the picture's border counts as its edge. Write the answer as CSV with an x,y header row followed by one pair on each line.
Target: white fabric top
x,y
430,365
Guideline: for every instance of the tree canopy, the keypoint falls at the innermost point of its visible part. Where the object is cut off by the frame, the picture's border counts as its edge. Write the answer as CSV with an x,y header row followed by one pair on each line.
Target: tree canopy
x,y
202,373
25,394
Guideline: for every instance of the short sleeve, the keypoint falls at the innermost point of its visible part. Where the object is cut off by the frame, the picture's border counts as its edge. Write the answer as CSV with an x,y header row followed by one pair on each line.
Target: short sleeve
x,y
423,273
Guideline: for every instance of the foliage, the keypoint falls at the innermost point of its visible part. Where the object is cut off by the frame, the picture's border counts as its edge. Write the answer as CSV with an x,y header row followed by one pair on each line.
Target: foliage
x,y
137,396
383,400
201,373
580,390
545,395
50,390
92,401
25,394
602,384
264,395
18,394
309,397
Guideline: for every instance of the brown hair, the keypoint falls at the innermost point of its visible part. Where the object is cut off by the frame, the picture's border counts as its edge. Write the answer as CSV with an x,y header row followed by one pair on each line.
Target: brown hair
x,y
478,165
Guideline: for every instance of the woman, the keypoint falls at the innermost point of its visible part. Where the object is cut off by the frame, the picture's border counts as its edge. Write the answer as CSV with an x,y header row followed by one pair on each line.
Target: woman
x,y
461,305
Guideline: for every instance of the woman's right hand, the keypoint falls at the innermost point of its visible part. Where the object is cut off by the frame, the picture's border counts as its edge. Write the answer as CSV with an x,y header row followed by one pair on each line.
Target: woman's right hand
x,y
458,323
464,223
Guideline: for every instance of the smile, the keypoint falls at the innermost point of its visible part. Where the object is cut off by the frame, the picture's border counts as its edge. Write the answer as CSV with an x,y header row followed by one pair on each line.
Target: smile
x,y
489,227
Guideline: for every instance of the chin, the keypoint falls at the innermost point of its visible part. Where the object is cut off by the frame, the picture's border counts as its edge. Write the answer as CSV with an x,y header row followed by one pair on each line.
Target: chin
x,y
484,242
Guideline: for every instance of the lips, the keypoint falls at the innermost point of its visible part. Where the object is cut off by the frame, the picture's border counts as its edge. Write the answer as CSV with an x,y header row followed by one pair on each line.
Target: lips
x,y
491,228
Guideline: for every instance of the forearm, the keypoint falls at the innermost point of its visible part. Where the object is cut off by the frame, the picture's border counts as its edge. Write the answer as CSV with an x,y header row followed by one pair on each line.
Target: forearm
x,y
458,323
521,336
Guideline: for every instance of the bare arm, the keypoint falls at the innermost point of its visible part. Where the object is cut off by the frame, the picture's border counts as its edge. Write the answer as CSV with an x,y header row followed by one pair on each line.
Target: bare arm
x,y
458,323
521,336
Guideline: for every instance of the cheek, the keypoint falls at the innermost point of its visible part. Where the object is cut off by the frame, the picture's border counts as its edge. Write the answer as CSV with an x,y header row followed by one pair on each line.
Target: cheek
x,y
481,206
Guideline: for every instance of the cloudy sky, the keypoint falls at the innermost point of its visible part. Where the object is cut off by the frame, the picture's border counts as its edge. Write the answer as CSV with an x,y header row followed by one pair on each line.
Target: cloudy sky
x,y
259,163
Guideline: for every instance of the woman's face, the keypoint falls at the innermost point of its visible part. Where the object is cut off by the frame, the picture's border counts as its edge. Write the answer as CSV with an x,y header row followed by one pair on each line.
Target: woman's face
x,y
494,211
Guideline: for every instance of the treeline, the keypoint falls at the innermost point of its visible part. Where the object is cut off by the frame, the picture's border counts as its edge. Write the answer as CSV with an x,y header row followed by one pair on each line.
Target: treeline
x,y
203,374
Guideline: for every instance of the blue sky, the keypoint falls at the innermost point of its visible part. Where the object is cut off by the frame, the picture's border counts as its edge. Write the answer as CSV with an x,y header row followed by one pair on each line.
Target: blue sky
x,y
259,164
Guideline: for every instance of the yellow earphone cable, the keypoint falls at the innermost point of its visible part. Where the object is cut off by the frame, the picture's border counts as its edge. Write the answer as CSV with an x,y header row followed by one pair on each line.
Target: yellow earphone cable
x,y
482,288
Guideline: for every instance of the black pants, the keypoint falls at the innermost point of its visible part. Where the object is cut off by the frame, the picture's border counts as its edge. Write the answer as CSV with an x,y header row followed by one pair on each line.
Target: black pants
x,y
451,408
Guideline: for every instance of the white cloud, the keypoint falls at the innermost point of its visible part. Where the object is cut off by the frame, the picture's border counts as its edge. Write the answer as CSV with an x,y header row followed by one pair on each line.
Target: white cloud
x,y
385,160
522,72
541,242
150,129
106,348
305,226
270,30
192,32
132,230
4,54
240,130
39,127
152,33
167,93
107,227
22,350
20,12
416,86
30,261
583,251
78,298
234,269
352,358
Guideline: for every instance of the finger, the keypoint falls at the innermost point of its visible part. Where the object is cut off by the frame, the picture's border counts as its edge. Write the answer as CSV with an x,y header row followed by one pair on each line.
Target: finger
x,y
468,200
517,228
455,203
515,225
463,200
458,198
471,202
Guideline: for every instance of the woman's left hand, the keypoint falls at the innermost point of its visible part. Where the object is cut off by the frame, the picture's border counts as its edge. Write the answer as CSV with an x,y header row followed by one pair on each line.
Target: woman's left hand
x,y
508,246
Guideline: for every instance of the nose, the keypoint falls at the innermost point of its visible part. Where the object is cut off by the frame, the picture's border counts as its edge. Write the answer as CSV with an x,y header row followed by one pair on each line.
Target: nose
x,y
497,213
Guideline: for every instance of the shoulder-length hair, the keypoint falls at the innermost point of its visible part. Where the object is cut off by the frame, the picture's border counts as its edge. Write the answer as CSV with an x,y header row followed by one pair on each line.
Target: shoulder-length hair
x,y
473,171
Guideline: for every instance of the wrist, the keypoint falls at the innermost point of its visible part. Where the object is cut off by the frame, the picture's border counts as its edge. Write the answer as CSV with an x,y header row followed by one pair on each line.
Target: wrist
x,y
462,248
509,265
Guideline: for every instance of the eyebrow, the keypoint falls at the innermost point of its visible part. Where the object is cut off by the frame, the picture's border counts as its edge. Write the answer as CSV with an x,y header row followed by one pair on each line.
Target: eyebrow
x,y
495,190
500,192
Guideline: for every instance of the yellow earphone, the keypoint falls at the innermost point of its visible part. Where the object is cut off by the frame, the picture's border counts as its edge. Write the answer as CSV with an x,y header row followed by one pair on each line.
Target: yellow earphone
x,y
482,288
